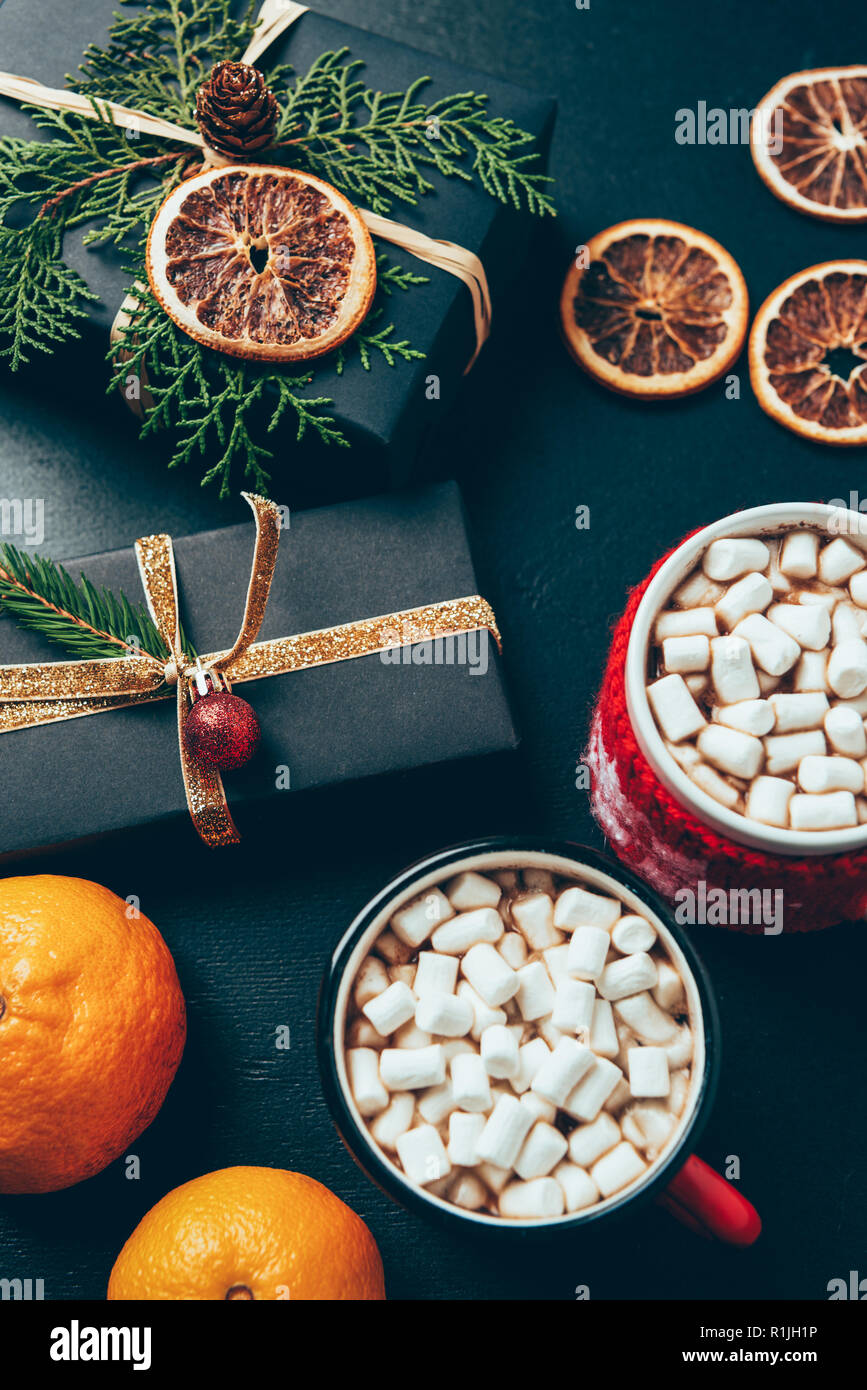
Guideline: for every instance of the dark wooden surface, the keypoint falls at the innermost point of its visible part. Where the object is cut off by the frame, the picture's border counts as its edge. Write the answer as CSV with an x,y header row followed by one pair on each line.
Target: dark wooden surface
x,y
531,440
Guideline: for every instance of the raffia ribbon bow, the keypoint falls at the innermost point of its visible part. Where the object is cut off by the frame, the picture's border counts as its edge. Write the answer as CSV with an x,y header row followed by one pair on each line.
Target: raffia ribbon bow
x,y
44,693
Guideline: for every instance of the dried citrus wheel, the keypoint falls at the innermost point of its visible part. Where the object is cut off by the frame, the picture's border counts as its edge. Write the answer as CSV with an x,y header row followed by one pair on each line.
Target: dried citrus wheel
x,y
262,262
809,142
808,350
654,309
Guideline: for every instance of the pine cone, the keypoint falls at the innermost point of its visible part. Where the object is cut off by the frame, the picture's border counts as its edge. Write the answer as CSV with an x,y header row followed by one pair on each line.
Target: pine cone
x,y
236,112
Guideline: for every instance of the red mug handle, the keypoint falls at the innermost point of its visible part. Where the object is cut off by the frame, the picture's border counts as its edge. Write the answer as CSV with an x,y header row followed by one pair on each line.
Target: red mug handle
x,y
703,1200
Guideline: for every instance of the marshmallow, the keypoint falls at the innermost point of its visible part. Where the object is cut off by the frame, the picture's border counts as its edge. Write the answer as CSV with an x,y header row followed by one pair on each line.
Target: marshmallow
x,y
552,1035
530,1058
795,712
696,684
858,704
778,581
799,555
826,598
847,668
620,1096
541,1197
556,960
858,588
783,752
436,1103
371,980
493,1177
633,933
392,949
732,673
394,1121
468,1191
674,709
435,974
811,672
844,730
534,918
752,594
587,951
593,1090
470,1086
772,648
402,974
579,1189
696,622
830,775
365,1081
648,1021
470,928
668,990
561,1071
839,561
679,1093
683,654
415,922
483,1015
363,1034
465,1131
648,1072
505,1131
541,1151
734,556
768,801
619,1167
489,974
391,1009
538,881
513,949
537,1107
445,1014
807,625
747,716
603,1036
648,1127
833,811
423,1155
573,1005
469,890
576,907
629,975
740,755
715,786
679,1051
500,1052
411,1069
697,592
535,996
589,1142
410,1036
846,623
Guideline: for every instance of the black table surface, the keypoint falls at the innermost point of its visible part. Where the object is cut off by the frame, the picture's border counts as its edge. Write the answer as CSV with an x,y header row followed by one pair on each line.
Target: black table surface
x,y
530,440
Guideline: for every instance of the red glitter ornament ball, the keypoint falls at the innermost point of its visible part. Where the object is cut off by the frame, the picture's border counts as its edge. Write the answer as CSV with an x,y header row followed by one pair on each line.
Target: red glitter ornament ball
x,y
222,730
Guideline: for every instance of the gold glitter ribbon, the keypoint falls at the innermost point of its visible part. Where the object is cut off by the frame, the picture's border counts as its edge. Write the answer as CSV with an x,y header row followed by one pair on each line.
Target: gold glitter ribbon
x,y
47,692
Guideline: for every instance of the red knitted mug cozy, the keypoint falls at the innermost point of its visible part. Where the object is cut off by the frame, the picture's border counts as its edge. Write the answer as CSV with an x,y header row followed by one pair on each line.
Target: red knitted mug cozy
x,y
669,847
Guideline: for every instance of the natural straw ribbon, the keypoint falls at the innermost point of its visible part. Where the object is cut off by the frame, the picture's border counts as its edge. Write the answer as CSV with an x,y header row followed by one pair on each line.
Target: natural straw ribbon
x,y
274,18
46,692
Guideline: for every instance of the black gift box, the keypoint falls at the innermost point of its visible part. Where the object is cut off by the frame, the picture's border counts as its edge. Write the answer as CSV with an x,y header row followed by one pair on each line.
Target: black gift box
x,y
352,719
386,411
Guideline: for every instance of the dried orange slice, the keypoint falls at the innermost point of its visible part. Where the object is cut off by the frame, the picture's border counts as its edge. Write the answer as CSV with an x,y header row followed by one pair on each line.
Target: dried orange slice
x,y
808,353
809,142
261,262
654,309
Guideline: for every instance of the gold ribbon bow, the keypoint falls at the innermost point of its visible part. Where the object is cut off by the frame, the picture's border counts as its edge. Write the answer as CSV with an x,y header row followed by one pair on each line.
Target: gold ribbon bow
x,y
46,692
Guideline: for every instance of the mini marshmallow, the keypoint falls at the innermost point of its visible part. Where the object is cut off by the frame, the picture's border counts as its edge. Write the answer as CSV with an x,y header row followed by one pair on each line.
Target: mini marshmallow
x,y
844,730
470,1086
778,581
783,752
436,1103
697,592
830,775
752,594
858,588
846,623
768,801
505,1131
589,1142
685,654
587,951
811,672
411,1069
593,1090
799,554
483,1015
696,684
648,1126
807,625
394,1121
391,1009
629,975
456,1047
556,960
423,1155
531,1056
767,684
435,974
826,598
537,1107
410,1036
734,556
534,918
484,924
468,1192
619,1167
838,561
648,1072
740,755
696,622
363,1034
847,668
546,1029
465,1131
620,1096
444,1014
715,786
402,974
732,673
833,811
392,949
648,1021
513,949
668,990
573,1005
499,1052
468,890
561,1071
772,648
633,933
579,1189
415,922
679,1093
795,712
489,974
686,755
858,704
747,716
541,1151
535,996
541,1197
576,907
603,1035
371,980
675,711
680,1051
365,1081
